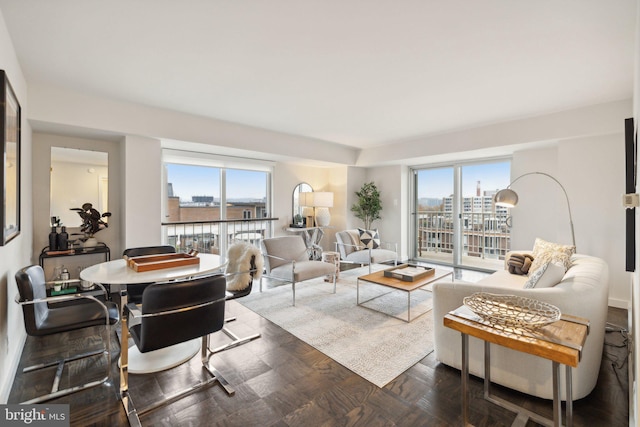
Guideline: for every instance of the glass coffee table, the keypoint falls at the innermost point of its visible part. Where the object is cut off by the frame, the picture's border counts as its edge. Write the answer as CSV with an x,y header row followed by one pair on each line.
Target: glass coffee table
x,y
378,278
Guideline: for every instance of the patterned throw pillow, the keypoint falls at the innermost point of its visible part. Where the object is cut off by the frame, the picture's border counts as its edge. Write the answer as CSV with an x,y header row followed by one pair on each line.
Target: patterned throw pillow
x,y
370,239
545,252
550,274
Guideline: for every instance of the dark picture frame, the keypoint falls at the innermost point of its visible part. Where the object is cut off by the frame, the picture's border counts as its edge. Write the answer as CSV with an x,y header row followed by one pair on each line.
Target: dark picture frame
x,y
631,178
10,117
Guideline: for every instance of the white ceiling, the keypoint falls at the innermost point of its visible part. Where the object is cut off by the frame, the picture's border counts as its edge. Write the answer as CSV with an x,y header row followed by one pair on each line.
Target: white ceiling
x,y
355,72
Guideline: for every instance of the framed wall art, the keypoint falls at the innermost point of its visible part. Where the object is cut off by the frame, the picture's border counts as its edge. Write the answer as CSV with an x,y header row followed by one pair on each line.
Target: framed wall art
x,y
10,172
631,178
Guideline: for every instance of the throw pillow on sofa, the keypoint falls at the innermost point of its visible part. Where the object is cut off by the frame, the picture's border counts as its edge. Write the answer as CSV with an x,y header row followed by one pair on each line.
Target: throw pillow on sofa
x,y
545,252
547,276
519,263
370,239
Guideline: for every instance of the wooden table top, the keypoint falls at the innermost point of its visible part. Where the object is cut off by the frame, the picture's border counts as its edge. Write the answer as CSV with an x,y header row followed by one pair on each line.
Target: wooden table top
x,y
379,278
560,341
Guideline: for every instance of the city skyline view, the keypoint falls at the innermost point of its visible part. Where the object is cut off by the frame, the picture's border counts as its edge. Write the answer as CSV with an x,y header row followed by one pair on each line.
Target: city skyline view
x,y
188,181
438,182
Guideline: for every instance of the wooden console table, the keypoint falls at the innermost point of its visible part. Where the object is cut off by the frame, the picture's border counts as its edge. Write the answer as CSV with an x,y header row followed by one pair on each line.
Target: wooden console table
x,y
561,342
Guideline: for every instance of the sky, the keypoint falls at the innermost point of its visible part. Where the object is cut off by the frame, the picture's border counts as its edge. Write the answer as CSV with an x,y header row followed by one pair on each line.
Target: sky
x,y
191,181
438,182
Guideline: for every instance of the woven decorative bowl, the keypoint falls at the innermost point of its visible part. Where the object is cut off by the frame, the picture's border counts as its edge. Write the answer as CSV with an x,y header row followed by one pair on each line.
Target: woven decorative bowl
x,y
512,310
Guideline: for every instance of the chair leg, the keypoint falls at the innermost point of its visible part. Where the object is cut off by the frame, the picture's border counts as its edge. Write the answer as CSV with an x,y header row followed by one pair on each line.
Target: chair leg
x,y
215,376
293,286
260,283
334,283
55,392
236,340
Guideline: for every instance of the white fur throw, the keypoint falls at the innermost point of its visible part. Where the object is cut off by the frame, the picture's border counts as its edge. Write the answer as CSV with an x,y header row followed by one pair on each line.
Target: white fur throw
x,y
239,261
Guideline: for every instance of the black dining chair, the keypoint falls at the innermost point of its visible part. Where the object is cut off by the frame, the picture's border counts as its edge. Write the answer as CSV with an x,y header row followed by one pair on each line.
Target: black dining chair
x,y
40,319
134,293
176,312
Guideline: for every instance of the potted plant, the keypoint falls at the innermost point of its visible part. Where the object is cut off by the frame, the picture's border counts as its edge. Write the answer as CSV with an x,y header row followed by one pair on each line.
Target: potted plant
x,y
369,205
91,223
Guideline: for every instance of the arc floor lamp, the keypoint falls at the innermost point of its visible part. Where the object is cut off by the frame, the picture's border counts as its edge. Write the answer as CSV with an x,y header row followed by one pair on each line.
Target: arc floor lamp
x,y
509,198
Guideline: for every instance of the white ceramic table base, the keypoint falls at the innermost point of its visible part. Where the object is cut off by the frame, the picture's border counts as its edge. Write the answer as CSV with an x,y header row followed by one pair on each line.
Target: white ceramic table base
x,y
160,360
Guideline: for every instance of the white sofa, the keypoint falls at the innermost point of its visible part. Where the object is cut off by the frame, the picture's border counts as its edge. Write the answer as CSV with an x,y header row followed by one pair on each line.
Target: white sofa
x,y
583,291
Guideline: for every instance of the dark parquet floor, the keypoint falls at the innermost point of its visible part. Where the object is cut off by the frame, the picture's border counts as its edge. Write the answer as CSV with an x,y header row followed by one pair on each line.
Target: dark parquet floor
x,y
282,381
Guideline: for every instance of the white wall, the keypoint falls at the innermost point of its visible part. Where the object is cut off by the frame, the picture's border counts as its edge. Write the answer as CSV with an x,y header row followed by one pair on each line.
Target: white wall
x,y
287,175
355,178
501,138
65,108
592,172
17,253
141,191
393,186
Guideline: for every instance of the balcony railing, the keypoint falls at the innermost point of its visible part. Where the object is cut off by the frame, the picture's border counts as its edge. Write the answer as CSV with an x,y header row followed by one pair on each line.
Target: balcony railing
x,y
484,234
215,236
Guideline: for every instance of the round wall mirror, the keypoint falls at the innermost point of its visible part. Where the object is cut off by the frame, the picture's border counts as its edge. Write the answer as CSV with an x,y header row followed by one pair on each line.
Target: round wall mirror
x,y
303,187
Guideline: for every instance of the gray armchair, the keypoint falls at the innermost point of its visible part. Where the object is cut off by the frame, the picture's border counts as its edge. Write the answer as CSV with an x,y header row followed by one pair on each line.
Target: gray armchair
x,y
286,258
351,251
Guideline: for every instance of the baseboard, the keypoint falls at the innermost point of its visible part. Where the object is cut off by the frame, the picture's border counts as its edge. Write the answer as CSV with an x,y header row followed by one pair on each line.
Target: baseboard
x,y
619,303
5,387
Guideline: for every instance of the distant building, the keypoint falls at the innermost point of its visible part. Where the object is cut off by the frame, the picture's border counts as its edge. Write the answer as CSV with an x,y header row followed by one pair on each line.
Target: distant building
x,y
205,233
205,209
485,232
202,199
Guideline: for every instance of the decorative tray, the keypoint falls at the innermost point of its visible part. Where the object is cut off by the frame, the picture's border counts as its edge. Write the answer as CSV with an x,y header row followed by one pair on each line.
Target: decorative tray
x,y
409,272
512,310
158,262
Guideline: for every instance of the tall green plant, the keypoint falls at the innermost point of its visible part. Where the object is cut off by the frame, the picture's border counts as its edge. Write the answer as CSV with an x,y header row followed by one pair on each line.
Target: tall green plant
x,y
369,205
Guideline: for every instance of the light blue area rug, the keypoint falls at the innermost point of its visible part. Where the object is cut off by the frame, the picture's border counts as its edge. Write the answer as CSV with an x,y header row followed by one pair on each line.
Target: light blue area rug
x,y
374,345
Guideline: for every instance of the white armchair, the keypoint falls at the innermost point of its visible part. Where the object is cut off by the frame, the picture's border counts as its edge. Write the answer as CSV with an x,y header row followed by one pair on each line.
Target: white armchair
x,y
286,258
353,251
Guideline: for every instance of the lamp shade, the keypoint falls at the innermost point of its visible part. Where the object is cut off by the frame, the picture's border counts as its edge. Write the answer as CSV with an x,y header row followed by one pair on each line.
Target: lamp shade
x,y
507,198
322,199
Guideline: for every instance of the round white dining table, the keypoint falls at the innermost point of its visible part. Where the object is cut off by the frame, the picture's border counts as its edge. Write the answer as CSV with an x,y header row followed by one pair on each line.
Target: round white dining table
x,y
117,272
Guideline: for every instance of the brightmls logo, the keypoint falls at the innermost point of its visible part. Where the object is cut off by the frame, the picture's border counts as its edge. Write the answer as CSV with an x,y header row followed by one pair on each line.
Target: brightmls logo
x,y
34,415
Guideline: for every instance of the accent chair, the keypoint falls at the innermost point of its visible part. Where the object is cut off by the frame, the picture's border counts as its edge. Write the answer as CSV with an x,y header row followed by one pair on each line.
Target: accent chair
x,y
286,259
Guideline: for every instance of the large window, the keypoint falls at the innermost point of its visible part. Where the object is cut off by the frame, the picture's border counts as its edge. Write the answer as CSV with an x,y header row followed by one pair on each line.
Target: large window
x,y
456,221
208,200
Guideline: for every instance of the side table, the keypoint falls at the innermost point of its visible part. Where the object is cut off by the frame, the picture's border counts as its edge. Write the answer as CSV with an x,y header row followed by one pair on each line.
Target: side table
x,y
332,258
312,237
561,342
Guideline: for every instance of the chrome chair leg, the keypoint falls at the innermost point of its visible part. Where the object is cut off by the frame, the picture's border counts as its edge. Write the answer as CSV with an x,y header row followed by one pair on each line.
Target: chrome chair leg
x,y
236,340
55,391
293,286
134,415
